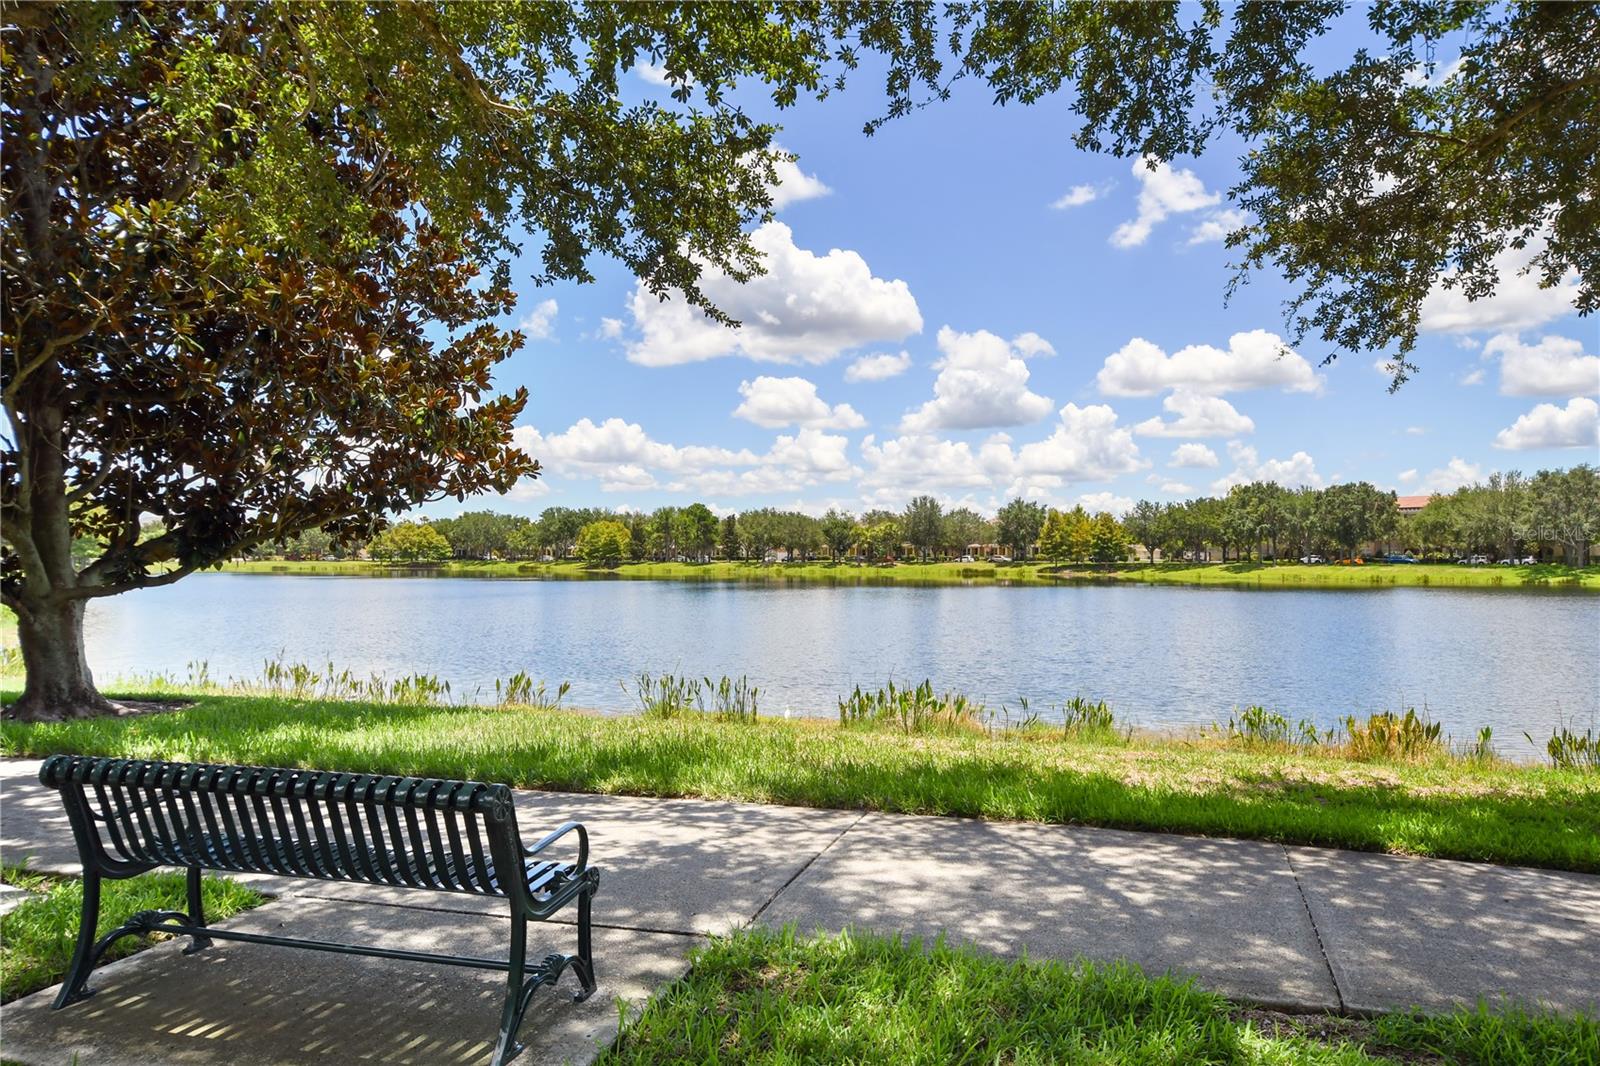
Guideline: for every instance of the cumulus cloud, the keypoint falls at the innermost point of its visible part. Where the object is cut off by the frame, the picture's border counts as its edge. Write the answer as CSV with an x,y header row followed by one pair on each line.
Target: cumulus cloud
x,y
877,367
610,328
1473,377
1447,478
1556,366
1254,360
1087,444
1077,196
1193,456
1095,502
1297,470
794,184
1176,488
805,309
775,402
539,323
652,73
1198,416
982,382
1548,426
1163,191
622,457
1518,303
1031,346
1217,227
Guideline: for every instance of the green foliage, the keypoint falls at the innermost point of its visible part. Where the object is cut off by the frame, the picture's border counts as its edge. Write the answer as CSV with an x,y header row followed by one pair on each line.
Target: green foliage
x,y
1018,525
1390,736
1257,726
36,939
1086,719
1571,750
839,532
910,710
671,696
605,543
1485,1037
519,690
409,542
922,525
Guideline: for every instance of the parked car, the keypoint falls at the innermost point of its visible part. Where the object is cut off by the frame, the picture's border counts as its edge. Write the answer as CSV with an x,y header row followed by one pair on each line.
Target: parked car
x,y
966,559
1528,560
1398,558
1000,559
1312,560
1476,560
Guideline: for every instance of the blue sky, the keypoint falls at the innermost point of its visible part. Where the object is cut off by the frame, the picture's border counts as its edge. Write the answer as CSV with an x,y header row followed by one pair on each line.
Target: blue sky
x,y
966,305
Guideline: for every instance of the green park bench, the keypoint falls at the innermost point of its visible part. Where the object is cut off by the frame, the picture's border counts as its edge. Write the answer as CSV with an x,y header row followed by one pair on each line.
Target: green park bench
x,y
130,816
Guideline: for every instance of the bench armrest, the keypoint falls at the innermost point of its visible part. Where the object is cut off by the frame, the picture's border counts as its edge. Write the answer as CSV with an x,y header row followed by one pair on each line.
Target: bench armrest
x,y
563,830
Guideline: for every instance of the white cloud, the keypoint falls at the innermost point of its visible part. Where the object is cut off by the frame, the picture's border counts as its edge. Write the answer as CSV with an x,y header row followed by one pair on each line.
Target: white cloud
x,y
1095,502
774,402
1176,488
1556,366
1077,196
1087,444
982,382
1548,426
1163,191
877,367
1252,361
1198,416
805,308
1415,431
610,328
1031,346
1406,477
622,457
1297,470
1193,456
1518,302
1454,474
539,323
652,73
794,184
1217,227
1473,377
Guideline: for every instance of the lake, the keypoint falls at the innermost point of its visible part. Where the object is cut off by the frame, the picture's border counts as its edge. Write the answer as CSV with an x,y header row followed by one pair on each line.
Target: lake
x,y
1162,656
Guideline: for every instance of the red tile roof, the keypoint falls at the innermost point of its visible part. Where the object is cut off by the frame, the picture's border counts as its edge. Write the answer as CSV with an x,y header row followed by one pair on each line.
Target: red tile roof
x,y
1412,503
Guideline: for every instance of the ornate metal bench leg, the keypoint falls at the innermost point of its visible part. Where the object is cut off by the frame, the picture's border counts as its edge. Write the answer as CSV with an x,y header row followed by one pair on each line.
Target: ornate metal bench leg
x,y
197,913
506,1048
584,963
76,985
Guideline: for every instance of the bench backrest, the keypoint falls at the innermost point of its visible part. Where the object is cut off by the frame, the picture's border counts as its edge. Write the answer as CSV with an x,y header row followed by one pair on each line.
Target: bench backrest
x,y
402,831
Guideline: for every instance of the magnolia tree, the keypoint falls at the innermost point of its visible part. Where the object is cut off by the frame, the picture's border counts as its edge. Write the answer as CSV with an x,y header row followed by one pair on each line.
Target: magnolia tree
x,y
254,254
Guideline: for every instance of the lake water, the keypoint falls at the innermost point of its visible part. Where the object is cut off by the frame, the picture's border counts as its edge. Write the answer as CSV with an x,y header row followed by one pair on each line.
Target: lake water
x,y
1161,655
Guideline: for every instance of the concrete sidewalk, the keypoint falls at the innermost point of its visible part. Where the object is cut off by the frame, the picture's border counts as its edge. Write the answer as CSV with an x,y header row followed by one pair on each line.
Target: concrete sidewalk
x,y
1298,928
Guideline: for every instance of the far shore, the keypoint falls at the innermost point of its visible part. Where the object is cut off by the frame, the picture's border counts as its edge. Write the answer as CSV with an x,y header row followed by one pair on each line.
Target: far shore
x,y
1232,574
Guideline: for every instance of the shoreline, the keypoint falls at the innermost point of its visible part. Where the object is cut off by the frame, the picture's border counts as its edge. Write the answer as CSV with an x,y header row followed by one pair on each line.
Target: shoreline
x,y
1542,577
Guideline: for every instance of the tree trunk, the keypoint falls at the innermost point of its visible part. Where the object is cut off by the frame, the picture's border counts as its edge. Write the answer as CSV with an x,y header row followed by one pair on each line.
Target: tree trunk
x,y
59,685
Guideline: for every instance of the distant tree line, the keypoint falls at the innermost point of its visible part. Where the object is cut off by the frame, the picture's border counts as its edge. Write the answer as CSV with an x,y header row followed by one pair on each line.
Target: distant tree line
x,y
1504,516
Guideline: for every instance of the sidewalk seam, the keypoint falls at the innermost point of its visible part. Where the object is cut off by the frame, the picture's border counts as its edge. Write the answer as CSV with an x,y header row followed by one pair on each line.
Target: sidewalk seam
x,y
804,867
1322,948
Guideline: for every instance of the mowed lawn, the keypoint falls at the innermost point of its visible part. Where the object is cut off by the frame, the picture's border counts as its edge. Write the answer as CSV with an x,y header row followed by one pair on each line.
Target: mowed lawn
x,y
1444,806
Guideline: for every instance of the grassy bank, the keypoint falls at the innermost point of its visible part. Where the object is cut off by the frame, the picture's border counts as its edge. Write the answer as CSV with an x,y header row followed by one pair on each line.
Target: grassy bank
x,y
36,939
769,997
1251,575
1440,806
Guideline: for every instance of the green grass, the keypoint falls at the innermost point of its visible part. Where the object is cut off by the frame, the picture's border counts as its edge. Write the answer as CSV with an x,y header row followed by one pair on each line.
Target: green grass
x,y
1445,807
1289,575
36,939
769,997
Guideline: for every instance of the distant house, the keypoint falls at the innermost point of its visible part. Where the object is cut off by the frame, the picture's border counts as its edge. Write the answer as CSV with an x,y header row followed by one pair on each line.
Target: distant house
x,y
1410,505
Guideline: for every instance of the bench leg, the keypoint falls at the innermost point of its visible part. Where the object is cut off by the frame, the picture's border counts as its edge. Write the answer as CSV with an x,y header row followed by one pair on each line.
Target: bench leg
x,y
584,963
75,986
197,913
506,1048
